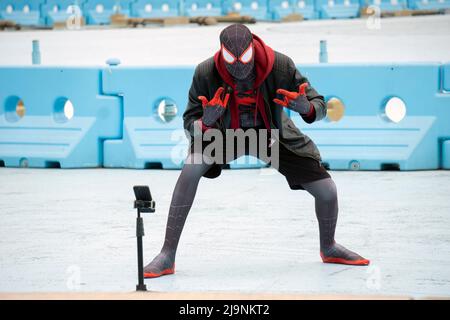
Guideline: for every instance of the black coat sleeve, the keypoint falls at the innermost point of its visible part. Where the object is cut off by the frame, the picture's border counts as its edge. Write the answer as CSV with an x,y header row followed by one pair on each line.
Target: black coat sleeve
x,y
194,109
313,96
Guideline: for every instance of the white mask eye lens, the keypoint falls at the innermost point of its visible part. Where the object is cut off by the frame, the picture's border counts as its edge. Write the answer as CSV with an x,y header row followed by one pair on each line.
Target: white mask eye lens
x,y
247,55
228,56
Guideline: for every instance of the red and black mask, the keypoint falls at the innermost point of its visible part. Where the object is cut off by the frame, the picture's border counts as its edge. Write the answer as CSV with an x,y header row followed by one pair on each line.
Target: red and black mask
x,y
237,51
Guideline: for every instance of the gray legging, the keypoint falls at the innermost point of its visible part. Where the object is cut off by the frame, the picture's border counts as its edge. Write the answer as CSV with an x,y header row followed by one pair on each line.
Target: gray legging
x,y
182,199
326,204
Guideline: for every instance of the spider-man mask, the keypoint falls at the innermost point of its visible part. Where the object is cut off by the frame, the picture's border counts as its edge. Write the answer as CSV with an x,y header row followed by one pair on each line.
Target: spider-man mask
x,y
237,50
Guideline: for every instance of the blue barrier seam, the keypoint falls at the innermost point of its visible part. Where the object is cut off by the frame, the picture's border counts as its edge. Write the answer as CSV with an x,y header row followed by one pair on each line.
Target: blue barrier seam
x,y
121,118
441,141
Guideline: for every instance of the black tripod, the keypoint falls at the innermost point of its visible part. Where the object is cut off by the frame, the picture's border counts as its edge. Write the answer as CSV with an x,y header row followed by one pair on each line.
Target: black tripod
x,y
143,203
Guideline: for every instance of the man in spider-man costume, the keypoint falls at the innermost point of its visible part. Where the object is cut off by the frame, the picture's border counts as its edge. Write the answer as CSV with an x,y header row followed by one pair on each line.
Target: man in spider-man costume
x,y
247,85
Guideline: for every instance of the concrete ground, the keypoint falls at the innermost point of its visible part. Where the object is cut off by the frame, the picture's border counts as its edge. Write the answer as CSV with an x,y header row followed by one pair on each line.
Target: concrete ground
x,y
74,231
154,295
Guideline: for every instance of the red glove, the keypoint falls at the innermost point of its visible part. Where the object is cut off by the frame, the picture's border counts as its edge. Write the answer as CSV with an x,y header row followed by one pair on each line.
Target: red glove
x,y
296,101
215,108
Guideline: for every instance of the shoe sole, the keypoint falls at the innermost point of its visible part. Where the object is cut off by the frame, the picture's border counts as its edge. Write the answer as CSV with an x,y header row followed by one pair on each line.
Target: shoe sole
x,y
360,262
148,275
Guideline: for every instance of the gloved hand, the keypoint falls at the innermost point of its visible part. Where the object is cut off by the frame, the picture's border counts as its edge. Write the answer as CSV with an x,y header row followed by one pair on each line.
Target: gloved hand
x,y
215,108
296,101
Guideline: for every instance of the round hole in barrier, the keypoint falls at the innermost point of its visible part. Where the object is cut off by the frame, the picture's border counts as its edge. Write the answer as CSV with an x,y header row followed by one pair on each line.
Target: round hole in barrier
x,y
335,109
354,165
148,8
99,8
55,9
9,9
165,7
26,9
254,5
63,110
73,9
14,109
194,7
166,110
23,163
20,109
300,4
394,110
331,3
209,6
237,6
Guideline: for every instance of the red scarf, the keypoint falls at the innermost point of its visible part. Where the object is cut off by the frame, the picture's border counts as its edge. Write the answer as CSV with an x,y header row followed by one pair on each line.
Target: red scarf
x,y
264,59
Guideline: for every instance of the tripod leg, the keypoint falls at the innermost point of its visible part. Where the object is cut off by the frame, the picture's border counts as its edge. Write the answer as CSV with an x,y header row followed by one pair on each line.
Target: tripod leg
x,y
139,234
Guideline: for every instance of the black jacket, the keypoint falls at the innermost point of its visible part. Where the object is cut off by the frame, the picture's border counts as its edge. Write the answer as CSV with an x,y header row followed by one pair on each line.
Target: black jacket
x,y
284,74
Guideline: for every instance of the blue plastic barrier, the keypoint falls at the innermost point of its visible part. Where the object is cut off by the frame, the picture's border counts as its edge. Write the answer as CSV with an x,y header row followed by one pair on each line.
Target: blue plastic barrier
x,y
446,154
155,8
445,84
132,117
254,8
337,9
24,12
54,11
44,137
196,8
278,9
100,11
363,139
147,140
307,8
281,8
446,78
429,4
386,5
247,162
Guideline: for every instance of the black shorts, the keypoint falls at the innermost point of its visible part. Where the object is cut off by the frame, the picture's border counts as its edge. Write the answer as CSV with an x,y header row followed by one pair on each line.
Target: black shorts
x,y
296,169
